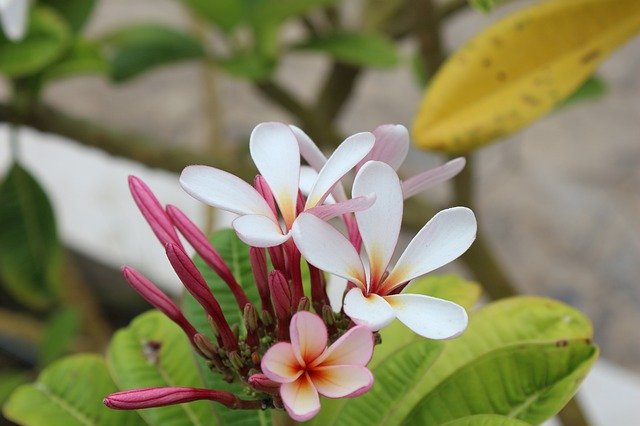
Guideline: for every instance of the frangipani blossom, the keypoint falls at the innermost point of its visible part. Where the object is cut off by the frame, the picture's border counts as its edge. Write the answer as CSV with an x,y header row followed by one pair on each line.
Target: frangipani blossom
x,y
275,152
380,294
306,367
13,18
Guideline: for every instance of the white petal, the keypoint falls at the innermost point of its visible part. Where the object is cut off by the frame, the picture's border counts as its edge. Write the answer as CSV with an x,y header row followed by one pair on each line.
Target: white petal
x,y
443,239
223,190
391,147
335,291
13,17
308,177
308,149
275,152
343,159
327,249
428,316
379,224
372,311
329,211
424,180
259,231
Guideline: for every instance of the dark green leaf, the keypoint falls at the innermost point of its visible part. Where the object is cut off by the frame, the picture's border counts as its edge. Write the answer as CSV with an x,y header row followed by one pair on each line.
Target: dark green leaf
x,y
68,393
48,36
30,253
75,12
226,14
252,67
369,50
84,57
137,49
154,352
277,11
62,328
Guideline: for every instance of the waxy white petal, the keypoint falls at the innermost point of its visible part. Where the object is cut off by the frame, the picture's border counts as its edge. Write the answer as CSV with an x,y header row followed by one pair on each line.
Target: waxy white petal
x,y
355,347
391,147
329,211
429,316
335,288
327,249
274,150
308,336
372,311
223,190
341,381
343,159
308,149
13,18
308,177
443,239
259,231
426,179
379,224
300,398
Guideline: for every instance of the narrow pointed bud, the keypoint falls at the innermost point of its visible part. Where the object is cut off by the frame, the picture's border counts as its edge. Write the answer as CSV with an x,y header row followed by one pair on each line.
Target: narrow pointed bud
x,y
277,259
281,296
251,323
236,360
267,318
207,252
205,345
262,383
153,212
258,260
297,289
328,316
197,286
158,397
152,294
318,291
256,358
304,304
261,185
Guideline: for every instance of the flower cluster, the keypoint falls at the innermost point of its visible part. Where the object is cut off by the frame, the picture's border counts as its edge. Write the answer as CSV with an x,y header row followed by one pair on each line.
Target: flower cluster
x,y
290,355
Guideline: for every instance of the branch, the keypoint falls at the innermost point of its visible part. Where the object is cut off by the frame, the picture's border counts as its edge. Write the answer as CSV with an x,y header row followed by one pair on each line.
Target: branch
x,y
336,90
451,7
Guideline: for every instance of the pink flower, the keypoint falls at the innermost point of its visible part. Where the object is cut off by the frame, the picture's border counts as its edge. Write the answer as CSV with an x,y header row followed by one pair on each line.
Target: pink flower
x,y
306,367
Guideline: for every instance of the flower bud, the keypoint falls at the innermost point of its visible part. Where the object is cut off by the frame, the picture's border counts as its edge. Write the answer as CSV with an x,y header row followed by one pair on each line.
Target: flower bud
x,y
236,360
304,304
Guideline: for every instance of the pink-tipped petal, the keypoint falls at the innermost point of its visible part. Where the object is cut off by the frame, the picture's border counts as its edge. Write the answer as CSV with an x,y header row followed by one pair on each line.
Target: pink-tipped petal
x,y
379,224
223,190
443,239
300,399
280,364
327,249
275,152
329,211
336,287
344,158
372,311
353,348
391,147
259,231
431,177
341,381
308,336
429,316
13,19
308,149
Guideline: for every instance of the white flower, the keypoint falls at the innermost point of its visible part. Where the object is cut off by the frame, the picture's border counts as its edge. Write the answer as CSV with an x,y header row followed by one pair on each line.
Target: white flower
x,y
379,295
275,152
13,18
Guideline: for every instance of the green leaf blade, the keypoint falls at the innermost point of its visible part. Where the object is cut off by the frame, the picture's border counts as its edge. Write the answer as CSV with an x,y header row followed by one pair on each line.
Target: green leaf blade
x,y
369,50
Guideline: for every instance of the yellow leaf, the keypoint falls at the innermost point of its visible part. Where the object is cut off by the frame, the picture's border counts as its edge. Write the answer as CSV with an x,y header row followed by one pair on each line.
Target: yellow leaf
x,y
518,69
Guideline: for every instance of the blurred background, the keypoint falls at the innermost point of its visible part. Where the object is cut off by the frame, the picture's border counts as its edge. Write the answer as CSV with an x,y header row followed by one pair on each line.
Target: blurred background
x,y
558,201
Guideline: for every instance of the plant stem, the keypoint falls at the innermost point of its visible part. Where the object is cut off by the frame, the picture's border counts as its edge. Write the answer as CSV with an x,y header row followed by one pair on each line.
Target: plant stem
x,y
336,90
427,32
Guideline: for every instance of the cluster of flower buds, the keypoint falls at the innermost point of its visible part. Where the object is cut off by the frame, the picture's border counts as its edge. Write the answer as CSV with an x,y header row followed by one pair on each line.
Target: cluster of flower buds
x,y
298,346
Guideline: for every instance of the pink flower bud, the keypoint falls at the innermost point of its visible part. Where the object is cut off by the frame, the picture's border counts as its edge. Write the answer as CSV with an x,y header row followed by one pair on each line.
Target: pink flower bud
x,y
281,296
258,261
262,383
158,397
261,185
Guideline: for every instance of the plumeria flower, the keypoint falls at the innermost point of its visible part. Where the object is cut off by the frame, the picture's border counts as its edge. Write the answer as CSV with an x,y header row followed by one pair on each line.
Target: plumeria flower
x,y
306,367
380,294
13,18
274,149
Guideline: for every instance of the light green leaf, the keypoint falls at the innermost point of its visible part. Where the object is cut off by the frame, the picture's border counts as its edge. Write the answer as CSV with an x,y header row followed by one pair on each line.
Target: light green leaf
x,y
154,352
30,253
486,420
47,38
486,5
75,12
137,49
250,66
594,88
226,14
371,50
84,57
68,393
61,329
277,11
9,381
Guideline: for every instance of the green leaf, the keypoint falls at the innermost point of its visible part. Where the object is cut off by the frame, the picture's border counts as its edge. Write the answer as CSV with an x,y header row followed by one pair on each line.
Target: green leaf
x,y
226,14
412,368
250,66
370,50
68,393
84,57
137,49
277,11
75,12
47,38
595,87
154,352
62,328
486,420
9,381
486,5
30,253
